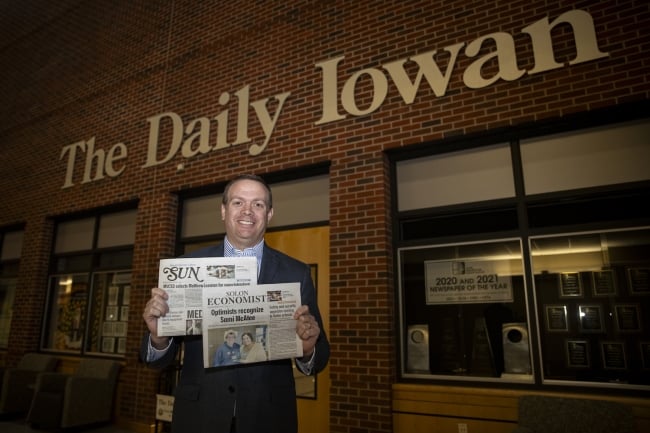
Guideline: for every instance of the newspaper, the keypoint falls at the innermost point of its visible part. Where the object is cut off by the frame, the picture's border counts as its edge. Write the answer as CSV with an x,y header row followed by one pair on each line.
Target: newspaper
x,y
184,280
250,324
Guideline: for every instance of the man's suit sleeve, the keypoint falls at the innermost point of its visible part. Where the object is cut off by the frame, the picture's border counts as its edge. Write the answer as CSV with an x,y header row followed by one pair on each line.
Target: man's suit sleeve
x,y
322,348
165,360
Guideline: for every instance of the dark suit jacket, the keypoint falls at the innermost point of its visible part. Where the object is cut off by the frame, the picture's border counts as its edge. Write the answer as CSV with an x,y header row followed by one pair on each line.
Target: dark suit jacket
x,y
264,393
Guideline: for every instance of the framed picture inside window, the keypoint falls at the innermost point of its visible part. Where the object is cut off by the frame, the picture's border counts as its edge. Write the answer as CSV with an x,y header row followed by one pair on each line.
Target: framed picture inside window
x,y
613,353
604,283
570,285
113,294
577,354
111,313
556,318
627,317
124,314
108,329
121,345
590,318
108,344
639,280
126,294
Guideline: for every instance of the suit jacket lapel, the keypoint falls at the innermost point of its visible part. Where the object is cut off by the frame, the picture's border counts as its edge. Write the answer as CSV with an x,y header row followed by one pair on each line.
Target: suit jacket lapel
x,y
269,266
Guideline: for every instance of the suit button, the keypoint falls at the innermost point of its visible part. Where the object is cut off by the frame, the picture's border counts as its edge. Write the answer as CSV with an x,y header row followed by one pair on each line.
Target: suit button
x,y
231,389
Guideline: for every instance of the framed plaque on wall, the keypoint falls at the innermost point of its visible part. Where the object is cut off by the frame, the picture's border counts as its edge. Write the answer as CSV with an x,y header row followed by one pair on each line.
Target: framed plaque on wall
x,y
556,318
604,283
628,317
639,280
577,354
613,353
570,285
590,318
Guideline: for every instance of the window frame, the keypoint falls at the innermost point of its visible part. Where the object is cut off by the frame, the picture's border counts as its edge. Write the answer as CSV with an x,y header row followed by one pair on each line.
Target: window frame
x,y
9,266
407,224
90,263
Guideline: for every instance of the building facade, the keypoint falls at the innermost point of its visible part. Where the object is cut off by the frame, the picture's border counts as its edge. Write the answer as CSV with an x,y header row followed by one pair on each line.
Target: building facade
x,y
421,136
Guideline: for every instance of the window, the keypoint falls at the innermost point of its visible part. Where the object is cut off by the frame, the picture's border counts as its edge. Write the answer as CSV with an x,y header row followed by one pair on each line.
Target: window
x,y
527,261
607,155
461,302
11,243
89,288
591,292
460,177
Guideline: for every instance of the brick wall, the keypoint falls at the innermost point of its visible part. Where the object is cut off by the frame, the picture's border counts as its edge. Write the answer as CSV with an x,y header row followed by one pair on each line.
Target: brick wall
x,y
73,70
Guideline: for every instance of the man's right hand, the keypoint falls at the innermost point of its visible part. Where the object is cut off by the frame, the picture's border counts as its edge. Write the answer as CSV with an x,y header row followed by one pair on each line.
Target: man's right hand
x,y
156,307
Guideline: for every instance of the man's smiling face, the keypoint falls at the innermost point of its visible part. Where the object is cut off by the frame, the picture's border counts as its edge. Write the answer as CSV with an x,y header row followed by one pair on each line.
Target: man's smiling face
x,y
246,213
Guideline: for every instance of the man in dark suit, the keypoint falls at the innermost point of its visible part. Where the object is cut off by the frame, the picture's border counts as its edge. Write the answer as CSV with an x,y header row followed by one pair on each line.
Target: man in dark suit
x,y
250,398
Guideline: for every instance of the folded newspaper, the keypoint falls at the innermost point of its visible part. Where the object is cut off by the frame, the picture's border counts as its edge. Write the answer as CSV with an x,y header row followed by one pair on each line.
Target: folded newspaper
x,y
239,320
184,280
250,324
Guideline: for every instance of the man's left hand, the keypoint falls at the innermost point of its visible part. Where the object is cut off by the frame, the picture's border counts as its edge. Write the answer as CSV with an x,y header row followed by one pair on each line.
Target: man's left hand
x,y
307,329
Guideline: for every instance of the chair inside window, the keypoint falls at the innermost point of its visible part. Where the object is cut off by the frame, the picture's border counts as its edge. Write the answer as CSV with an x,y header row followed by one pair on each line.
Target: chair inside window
x,y
82,398
18,382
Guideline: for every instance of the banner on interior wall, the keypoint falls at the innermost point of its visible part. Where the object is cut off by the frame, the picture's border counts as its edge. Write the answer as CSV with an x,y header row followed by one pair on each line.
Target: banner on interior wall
x,y
465,282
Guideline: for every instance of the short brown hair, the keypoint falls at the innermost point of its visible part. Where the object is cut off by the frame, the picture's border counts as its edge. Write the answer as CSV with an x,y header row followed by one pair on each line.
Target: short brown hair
x,y
252,177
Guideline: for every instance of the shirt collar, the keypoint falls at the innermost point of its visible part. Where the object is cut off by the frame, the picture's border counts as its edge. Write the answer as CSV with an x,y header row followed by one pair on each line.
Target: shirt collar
x,y
230,251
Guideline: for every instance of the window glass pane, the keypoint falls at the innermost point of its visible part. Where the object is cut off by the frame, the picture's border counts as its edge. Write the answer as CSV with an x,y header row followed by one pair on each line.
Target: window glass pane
x,y
202,216
9,269
74,263
7,294
622,206
452,178
464,311
109,312
599,156
78,320
65,321
592,294
301,201
117,229
12,245
74,235
459,223
116,259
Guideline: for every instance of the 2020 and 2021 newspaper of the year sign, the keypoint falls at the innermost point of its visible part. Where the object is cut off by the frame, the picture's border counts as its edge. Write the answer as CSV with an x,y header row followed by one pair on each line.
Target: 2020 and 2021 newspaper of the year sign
x,y
211,295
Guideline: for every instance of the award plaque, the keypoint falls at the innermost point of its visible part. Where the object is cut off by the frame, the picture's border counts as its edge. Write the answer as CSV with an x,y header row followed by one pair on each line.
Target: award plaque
x,y
108,344
628,318
450,348
639,280
570,285
418,349
577,353
482,362
590,318
556,318
604,283
613,353
516,348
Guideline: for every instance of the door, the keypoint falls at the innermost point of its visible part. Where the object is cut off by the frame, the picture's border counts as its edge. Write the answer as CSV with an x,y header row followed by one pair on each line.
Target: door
x,y
310,245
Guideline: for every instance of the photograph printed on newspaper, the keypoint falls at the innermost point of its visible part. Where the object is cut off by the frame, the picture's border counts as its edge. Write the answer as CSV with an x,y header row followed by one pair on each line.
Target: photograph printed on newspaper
x,y
250,324
185,279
